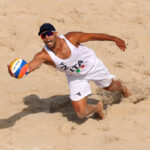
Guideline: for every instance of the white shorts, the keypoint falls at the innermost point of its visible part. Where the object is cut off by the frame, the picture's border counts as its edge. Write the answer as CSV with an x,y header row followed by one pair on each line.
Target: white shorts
x,y
79,86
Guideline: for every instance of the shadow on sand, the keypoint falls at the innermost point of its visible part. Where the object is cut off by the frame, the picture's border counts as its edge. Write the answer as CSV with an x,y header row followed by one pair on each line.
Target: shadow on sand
x,y
58,103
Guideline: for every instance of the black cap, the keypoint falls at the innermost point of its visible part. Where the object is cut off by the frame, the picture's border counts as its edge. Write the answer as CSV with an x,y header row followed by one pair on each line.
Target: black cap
x,y
46,27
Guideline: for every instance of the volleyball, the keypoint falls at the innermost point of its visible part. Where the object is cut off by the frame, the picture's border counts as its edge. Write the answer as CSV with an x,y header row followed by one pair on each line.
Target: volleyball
x,y
19,68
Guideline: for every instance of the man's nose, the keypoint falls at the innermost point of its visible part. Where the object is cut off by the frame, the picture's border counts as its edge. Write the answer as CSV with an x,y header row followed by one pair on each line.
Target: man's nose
x,y
46,36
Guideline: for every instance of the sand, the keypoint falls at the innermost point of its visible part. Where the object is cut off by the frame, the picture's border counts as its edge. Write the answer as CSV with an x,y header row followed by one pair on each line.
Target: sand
x,y
36,113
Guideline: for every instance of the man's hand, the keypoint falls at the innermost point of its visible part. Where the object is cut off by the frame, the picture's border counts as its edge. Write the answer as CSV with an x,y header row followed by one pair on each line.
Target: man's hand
x,y
9,71
120,43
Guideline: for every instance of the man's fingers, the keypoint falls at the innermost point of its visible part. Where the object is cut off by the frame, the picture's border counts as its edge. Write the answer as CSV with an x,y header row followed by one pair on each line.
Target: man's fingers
x,y
121,44
9,71
123,49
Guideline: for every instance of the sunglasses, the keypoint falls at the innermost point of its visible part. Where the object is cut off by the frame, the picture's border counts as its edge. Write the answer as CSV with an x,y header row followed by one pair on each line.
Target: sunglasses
x,y
48,33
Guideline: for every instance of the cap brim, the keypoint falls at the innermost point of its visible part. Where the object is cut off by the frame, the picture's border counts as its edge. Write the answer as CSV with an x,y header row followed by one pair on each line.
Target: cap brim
x,y
39,33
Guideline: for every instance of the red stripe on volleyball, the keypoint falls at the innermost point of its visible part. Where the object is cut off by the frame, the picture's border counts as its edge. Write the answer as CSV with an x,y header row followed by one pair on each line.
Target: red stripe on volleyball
x,y
23,70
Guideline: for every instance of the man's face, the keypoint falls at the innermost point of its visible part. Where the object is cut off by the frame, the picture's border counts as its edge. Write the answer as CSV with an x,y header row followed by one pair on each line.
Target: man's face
x,y
49,38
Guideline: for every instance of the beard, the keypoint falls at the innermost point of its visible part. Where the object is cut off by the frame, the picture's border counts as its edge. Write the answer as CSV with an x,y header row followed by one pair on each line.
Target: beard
x,y
51,44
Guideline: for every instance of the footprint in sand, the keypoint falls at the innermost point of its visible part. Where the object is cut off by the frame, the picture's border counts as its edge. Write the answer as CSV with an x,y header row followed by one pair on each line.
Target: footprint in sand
x,y
67,128
112,139
119,64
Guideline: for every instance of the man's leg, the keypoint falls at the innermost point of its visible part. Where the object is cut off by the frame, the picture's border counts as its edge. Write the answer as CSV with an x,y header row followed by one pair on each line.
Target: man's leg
x,y
118,86
82,109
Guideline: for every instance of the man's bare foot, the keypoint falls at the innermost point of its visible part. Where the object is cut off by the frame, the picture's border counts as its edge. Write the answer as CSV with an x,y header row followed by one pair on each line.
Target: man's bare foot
x,y
126,92
100,110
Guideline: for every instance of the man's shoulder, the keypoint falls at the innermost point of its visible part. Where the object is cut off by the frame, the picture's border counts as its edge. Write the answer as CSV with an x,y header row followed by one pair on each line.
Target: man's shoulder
x,y
73,37
42,53
72,34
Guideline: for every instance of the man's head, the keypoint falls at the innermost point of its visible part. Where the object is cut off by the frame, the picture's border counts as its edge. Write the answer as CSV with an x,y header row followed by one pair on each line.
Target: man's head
x,y
48,34
46,27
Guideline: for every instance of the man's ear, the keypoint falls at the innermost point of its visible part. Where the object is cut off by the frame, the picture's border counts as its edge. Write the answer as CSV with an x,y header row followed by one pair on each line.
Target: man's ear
x,y
56,33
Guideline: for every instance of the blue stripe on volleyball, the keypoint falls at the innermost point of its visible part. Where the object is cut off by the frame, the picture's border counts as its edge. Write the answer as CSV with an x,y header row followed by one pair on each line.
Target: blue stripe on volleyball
x,y
18,70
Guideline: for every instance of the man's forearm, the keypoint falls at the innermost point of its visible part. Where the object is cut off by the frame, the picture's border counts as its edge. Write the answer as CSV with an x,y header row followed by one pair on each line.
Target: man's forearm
x,y
104,37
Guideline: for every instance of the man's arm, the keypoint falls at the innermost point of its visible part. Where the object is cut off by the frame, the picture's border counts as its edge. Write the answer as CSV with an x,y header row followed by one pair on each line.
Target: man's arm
x,y
79,37
37,61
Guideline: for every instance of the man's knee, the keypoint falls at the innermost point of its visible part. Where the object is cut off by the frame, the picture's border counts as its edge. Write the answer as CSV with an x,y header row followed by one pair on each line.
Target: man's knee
x,y
81,114
115,85
80,107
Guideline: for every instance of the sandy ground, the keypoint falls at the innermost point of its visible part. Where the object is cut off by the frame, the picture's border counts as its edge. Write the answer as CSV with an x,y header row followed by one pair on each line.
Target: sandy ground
x,y
36,113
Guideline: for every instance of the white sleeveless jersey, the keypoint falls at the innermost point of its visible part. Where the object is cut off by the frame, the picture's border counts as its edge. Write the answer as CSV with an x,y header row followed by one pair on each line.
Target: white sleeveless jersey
x,y
81,61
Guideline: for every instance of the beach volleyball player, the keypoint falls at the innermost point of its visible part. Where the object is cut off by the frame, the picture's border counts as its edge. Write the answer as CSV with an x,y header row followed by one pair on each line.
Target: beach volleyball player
x,y
79,63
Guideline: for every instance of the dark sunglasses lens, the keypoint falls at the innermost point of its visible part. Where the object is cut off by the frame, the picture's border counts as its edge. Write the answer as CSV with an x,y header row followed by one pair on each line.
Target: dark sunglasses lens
x,y
49,33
